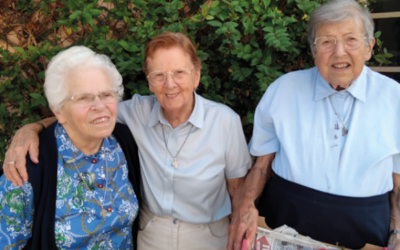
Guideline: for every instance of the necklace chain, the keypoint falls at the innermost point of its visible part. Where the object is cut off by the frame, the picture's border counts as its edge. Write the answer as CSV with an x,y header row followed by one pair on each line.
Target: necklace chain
x,y
103,212
344,130
175,162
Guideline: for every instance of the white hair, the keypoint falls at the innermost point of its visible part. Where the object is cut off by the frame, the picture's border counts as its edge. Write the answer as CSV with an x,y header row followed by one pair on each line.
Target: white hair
x,y
65,62
337,11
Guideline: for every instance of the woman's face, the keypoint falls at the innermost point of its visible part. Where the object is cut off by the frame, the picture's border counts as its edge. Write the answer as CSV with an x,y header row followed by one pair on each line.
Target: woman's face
x,y
174,97
342,66
88,122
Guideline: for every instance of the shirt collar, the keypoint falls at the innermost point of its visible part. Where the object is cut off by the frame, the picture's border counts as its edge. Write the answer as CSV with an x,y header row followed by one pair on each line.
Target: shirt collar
x,y
196,118
357,89
69,152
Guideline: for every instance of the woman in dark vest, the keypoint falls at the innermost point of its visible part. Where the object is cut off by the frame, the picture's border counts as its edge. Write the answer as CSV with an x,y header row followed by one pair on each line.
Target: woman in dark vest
x,y
84,191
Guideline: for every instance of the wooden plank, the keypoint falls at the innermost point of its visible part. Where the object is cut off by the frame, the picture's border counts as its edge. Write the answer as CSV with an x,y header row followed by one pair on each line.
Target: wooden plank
x,y
386,69
385,15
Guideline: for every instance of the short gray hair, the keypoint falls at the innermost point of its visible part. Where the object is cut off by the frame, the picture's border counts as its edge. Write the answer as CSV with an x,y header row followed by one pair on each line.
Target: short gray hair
x,y
337,11
65,62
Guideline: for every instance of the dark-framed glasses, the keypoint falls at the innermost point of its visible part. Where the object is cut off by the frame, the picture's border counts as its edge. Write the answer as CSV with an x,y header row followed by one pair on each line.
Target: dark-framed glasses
x,y
350,42
157,78
87,98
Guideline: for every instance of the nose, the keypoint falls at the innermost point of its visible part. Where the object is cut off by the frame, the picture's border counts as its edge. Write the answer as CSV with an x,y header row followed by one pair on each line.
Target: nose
x,y
97,102
340,49
169,81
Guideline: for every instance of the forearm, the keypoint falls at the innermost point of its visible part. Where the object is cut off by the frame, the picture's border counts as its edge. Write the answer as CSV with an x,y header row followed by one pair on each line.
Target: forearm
x,y
48,121
255,181
395,209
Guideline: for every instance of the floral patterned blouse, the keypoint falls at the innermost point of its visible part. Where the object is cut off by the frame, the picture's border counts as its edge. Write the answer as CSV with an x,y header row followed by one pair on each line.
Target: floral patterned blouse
x,y
95,207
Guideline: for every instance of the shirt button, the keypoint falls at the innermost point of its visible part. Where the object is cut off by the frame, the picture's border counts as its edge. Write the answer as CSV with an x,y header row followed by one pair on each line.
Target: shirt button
x,y
94,161
175,221
109,209
100,185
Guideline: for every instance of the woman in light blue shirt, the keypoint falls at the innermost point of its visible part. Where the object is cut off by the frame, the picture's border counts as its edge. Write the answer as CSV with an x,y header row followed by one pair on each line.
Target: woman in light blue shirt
x,y
331,136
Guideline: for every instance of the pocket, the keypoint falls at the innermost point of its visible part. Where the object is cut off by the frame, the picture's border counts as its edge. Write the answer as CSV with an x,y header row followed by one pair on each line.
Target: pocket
x,y
145,218
219,229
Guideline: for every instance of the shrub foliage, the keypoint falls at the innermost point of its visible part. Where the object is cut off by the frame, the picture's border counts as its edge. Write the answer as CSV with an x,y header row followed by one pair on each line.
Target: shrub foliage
x,y
244,45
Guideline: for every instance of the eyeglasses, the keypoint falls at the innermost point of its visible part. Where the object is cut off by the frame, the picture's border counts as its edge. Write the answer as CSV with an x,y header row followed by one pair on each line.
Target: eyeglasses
x,y
87,98
157,78
350,42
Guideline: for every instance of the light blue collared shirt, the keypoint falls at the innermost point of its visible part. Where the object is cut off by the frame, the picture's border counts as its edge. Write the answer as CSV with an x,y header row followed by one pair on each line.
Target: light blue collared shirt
x,y
296,119
215,150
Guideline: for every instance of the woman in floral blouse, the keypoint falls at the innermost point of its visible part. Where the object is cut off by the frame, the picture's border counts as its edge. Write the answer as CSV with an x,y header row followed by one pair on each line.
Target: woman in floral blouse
x,y
83,192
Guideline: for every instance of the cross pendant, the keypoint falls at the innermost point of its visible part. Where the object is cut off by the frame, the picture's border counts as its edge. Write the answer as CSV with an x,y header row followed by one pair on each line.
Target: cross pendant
x,y
103,213
344,131
175,163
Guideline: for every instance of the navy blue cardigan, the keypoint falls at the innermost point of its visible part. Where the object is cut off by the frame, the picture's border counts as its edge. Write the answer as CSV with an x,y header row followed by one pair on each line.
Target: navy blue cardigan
x,y
43,177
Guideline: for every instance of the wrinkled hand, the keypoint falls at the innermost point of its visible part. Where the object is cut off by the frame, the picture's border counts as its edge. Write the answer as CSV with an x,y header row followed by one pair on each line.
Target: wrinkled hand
x,y
14,166
244,218
394,242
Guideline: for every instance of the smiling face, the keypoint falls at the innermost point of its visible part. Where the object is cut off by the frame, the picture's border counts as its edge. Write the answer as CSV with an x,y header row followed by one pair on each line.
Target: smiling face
x,y
87,125
174,98
341,66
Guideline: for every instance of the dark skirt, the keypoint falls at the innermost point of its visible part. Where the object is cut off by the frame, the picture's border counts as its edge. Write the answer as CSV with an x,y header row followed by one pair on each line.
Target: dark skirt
x,y
346,221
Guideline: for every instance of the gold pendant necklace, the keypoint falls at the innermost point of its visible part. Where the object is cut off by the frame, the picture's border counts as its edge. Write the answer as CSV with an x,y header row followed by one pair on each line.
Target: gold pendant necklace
x,y
175,162
103,211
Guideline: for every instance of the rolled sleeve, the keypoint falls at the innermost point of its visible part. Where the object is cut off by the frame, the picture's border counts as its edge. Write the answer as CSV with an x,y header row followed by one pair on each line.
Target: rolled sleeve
x,y
238,159
396,164
264,140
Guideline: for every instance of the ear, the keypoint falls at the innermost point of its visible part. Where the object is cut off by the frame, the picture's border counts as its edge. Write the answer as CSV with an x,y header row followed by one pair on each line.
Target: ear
x,y
151,88
314,53
197,78
59,115
368,53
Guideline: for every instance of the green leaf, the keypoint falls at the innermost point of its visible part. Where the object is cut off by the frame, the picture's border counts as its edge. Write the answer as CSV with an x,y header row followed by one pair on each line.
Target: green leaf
x,y
35,96
230,25
33,49
87,18
75,14
214,4
215,23
94,12
238,8
388,55
209,17
204,9
19,49
128,47
247,48
221,30
266,3
41,75
377,34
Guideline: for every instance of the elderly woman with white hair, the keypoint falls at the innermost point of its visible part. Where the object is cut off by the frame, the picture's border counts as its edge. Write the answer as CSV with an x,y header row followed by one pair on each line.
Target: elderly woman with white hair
x,y
328,142
83,192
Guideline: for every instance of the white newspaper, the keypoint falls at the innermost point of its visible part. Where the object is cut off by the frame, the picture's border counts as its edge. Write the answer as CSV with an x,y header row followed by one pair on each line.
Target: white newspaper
x,y
286,238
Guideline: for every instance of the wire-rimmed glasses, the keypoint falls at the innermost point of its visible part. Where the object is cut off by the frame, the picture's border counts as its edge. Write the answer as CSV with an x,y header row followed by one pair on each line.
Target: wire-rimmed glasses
x,y
87,98
350,41
157,78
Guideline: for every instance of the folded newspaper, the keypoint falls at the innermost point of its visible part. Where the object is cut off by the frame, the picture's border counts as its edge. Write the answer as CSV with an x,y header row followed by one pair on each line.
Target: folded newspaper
x,y
286,238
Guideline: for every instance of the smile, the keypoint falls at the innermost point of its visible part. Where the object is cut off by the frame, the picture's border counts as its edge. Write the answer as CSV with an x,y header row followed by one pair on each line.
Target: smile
x,y
100,120
172,96
341,66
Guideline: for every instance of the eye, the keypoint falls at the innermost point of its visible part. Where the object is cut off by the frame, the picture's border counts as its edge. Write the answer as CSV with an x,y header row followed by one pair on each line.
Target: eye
x,y
158,75
83,97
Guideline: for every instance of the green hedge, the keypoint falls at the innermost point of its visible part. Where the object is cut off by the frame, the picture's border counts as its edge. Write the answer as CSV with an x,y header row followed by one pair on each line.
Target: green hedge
x,y
244,45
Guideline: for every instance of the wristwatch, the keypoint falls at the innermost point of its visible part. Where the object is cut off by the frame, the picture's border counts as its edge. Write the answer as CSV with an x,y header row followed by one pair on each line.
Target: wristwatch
x,y
395,231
